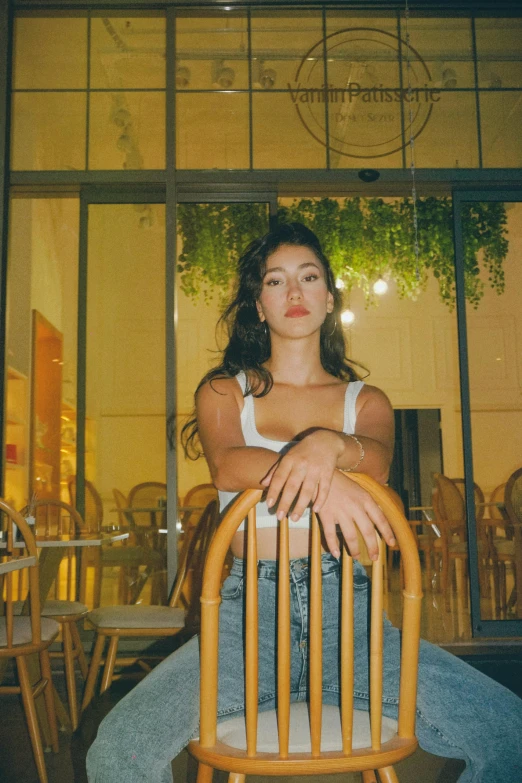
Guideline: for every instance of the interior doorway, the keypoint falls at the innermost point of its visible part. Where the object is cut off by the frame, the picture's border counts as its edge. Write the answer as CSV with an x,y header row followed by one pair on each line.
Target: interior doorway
x,y
417,455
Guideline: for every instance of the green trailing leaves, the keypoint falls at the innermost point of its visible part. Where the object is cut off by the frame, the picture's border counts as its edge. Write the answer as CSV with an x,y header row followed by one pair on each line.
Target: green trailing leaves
x,y
365,239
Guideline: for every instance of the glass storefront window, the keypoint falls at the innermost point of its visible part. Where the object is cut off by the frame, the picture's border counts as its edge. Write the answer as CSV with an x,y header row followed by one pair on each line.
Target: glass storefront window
x,y
42,316
212,130
500,122
127,130
127,53
499,53
50,53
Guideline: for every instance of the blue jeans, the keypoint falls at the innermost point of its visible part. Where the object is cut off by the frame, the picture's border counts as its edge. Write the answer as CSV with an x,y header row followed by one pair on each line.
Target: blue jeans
x,y
461,713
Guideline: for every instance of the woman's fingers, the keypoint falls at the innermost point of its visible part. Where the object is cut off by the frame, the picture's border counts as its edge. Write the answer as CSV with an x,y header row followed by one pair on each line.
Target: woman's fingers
x,y
330,536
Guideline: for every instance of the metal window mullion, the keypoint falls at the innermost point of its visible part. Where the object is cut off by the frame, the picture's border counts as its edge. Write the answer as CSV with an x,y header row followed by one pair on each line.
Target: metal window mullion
x,y
401,85
250,93
326,102
477,94
171,305
88,95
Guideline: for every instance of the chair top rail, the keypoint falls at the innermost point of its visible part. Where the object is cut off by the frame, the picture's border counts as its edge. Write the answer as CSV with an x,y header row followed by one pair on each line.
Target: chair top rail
x,y
18,564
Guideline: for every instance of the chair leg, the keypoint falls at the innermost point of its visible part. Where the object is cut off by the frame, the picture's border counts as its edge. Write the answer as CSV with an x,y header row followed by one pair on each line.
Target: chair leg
x,y
82,660
236,777
368,776
109,664
45,666
93,670
68,657
30,716
205,773
388,775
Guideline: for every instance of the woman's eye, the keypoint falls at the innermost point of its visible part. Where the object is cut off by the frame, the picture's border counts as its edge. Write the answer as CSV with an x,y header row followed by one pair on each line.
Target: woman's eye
x,y
273,282
308,278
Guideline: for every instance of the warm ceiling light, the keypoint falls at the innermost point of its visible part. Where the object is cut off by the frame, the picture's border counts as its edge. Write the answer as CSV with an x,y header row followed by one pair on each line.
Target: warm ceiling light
x,y
340,284
222,75
267,78
347,317
380,287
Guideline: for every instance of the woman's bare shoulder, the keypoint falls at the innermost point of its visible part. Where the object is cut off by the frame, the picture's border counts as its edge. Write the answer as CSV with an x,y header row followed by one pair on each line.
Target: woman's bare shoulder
x,y
214,388
372,395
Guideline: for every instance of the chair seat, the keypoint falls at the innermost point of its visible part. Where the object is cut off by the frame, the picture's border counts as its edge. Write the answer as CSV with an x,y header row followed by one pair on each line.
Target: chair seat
x,y
22,630
137,616
53,608
233,732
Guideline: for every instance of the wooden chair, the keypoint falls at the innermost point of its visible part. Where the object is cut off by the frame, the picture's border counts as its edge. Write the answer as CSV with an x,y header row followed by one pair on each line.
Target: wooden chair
x,y
57,517
513,547
450,515
240,754
116,622
128,558
23,636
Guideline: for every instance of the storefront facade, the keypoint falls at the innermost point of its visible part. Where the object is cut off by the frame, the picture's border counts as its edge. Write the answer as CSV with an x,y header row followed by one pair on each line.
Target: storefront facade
x,y
139,135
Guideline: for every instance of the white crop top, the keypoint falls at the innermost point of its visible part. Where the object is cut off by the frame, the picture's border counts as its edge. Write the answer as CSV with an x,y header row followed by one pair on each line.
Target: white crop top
x,y
267,517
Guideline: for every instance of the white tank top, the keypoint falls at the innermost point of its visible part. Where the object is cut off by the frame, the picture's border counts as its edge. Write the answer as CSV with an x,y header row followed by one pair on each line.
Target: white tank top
x,y
267,517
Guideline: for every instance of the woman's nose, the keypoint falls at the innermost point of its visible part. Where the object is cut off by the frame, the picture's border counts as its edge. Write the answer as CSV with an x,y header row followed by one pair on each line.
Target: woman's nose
x,y
294,291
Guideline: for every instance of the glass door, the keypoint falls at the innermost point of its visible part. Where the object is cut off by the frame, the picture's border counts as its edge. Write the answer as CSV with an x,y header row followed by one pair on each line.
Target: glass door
x,y
490,333
121,481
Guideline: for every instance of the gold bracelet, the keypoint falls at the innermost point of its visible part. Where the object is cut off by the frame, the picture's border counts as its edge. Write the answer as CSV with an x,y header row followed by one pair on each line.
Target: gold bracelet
x,y
361,453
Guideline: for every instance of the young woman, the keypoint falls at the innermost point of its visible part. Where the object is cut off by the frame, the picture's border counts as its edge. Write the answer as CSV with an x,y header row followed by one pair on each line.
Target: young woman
x,y
283,411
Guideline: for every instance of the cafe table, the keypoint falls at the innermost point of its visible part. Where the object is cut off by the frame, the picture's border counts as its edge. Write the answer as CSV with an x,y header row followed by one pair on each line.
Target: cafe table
x,y
52,548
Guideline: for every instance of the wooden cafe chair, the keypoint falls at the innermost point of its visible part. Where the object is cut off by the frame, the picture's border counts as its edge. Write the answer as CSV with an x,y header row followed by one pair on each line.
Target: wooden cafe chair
x,y
116,622
27,635
308,739
127,557
57,517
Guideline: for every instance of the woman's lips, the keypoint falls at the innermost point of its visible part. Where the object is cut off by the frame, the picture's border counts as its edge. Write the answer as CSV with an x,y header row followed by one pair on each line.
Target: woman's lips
x,y
296,312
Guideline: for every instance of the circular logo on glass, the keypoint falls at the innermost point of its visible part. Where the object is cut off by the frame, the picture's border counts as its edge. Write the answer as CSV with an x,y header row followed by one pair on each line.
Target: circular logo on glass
x,y
352,93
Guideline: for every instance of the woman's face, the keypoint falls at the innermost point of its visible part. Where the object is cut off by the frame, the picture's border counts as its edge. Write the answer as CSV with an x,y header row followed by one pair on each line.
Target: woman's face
x,y
294,299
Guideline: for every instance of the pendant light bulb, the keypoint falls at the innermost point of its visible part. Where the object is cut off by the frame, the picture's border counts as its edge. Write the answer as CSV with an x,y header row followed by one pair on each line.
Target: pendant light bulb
x,y
380,287
347,317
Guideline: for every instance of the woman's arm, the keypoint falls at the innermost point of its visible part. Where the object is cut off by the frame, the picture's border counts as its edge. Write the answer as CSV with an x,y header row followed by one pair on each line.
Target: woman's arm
x,y
233,465
308,467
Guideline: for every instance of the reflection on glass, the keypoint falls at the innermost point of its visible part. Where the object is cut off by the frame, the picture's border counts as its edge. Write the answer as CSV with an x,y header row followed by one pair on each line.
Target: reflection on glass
x,y
128,52
127,130
125,394
447,136
50,53
212,131
446,61
285,135
212,52
500,122
364,134
496,420
41,349
48,131
287,49
499,52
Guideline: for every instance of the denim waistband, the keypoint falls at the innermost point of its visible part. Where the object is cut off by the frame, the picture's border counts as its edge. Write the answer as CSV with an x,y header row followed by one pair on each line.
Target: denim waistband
x,y
299,567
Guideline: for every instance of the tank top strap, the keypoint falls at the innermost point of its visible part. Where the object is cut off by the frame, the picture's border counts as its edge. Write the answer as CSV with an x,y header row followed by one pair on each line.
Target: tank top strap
x,y
350,398
242,379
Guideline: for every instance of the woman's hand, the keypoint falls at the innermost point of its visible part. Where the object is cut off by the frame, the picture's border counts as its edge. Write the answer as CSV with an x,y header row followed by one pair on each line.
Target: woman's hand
x,y
304,475
350,506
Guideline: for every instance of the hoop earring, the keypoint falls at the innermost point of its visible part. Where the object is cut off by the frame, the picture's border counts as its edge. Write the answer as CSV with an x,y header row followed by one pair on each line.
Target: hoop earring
x,y
331,334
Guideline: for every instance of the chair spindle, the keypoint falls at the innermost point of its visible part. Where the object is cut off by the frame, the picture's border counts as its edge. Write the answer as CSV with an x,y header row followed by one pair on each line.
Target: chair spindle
x,y
316,636
283,641
252,636
376,638
347,672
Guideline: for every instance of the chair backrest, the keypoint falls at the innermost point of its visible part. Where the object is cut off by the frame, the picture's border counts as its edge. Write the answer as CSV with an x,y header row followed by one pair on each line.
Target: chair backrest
x,y
93,517
245,507
125,517
16,560
147,495
448,505
497,496
191,562
200,495
513,497
478,495
54,517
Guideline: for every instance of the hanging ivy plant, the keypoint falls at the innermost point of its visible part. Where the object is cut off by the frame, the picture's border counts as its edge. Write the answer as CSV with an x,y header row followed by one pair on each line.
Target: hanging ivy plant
x,y
365,239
